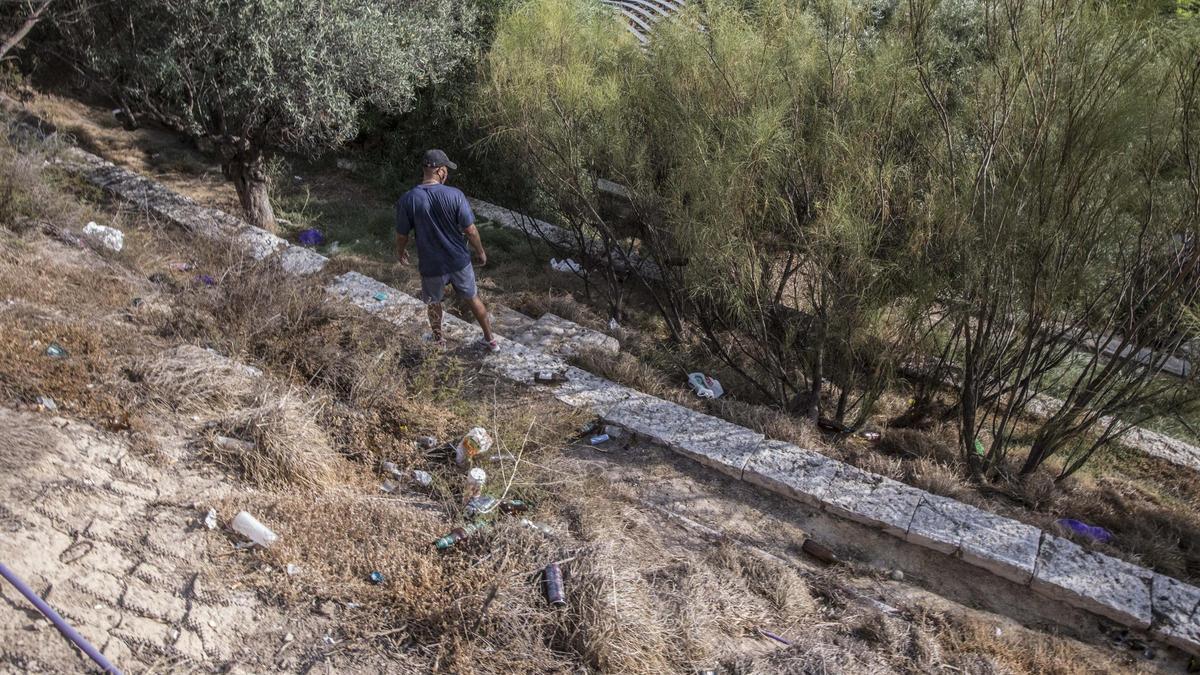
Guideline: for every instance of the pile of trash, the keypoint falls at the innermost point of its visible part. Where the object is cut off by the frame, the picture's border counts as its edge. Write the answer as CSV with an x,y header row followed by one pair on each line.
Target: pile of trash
x,y
480,508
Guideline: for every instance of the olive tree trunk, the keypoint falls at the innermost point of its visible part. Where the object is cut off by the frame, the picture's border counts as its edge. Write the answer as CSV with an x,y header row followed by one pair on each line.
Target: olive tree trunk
x,y
246,168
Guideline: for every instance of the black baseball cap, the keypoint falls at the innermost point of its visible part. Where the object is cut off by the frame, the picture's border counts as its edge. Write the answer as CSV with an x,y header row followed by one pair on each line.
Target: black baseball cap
x,y
436,158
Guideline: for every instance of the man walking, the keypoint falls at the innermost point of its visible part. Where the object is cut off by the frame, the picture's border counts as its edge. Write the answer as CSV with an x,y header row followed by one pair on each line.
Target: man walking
x,y
444,225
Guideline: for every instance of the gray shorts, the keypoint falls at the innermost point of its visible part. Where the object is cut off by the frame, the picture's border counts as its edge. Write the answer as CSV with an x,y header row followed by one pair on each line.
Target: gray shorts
x,y
433,288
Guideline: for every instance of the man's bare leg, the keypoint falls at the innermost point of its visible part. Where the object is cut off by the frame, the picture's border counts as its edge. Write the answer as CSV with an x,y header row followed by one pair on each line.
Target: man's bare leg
x,y
434,310
481,315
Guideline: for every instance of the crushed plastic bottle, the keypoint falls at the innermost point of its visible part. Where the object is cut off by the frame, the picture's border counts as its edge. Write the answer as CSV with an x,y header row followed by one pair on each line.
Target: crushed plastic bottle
x,y
482,505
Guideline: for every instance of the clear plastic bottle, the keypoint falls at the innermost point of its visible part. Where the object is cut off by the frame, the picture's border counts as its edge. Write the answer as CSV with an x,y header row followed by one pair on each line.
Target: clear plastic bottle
x,y
249,527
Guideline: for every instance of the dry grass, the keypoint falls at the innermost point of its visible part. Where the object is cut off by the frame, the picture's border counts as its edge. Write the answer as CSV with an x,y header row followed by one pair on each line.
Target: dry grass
x,y
287,445
631,371
197,381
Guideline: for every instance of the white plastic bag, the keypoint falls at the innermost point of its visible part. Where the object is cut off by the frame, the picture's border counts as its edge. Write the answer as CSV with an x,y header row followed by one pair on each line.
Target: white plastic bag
x,y
705,386
566,265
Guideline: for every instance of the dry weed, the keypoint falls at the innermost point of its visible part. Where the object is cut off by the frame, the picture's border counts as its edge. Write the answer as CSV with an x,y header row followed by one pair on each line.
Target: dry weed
x,y
197,381
285,443
632,372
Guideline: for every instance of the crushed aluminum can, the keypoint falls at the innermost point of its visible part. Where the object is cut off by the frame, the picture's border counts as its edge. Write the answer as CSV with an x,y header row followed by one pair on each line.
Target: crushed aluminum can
x,y
602,438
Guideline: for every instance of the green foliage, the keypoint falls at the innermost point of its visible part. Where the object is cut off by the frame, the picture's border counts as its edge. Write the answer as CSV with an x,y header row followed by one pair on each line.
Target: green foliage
x,y
859,186
294,74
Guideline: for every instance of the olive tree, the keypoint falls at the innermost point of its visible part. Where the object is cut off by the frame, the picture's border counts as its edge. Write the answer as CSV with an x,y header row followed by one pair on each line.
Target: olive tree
x,y
253,76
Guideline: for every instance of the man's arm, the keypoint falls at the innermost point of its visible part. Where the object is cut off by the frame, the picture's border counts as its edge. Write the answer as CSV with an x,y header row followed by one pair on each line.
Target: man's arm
x,y
402,248
403,228
472,234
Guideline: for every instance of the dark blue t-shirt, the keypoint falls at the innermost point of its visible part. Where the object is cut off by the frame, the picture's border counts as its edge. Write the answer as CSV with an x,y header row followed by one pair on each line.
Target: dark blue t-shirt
x,y
439,214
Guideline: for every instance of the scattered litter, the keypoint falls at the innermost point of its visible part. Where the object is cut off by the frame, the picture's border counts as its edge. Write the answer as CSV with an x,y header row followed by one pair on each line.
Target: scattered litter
x,y
310,237
249,527
502,457
473,486
818,551
426,442
705,386
482,505
597,440
376,577
335,247
552,580
56,351
388,486
182,267
979,448
769,634
514,506
47,403
233,445
292,569
870,435
549,377
458,534
206,280
1093,532
475,443
392,469
353,605
566,265
326,638
613,325
897,575
527,523
106,237
422,478
210,519
380,296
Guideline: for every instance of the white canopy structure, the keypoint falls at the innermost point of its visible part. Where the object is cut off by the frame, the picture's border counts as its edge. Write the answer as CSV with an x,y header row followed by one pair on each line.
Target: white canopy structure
x,y
641,15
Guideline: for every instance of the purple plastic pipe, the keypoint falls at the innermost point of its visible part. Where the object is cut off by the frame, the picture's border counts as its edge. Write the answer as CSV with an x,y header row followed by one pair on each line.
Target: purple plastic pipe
x,y
63,627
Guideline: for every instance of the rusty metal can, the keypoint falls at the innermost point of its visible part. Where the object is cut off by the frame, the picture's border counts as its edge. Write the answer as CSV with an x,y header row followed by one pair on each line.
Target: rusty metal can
x,y
553,580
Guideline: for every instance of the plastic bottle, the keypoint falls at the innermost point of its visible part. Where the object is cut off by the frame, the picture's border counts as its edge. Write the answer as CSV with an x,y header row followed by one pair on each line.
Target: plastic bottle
x,y
249,527
474,484
458,534
514,506
482,505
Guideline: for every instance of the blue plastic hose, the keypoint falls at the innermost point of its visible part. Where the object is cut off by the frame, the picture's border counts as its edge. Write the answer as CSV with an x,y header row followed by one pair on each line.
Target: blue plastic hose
x,y
62,626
